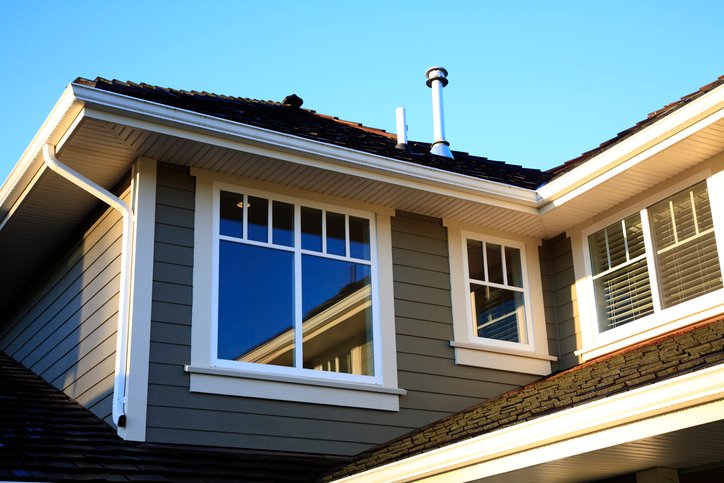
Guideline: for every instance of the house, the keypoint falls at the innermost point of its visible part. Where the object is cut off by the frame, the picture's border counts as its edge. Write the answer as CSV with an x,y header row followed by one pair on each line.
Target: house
x,y
234,275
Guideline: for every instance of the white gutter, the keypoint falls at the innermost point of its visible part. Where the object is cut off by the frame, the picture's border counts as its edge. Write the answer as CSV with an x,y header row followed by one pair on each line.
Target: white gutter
x,y
119,380
670,405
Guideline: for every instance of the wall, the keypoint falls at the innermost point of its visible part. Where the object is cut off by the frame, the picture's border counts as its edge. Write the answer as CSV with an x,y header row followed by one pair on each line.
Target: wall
x,y
559,295
64,329
435,385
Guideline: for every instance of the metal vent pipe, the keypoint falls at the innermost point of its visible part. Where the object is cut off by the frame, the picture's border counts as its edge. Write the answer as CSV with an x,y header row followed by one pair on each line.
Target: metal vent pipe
x,y
436,80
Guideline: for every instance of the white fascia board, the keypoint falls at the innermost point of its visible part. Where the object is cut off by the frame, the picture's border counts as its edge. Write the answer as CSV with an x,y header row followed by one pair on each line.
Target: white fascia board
x,y
220,132
64,115
695,115
664,400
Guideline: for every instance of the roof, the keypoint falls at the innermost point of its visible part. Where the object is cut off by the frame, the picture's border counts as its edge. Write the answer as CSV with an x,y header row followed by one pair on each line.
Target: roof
x,y
687,350
46,436
650,119
291,119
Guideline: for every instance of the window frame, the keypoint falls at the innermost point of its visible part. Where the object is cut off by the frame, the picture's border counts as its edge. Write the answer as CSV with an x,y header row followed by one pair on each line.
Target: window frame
x,y
219,376
662,320
530,357
298,251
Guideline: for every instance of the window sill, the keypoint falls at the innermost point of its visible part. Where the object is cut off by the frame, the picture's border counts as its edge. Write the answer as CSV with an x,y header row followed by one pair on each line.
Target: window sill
x,y
299,389
675,318
521,361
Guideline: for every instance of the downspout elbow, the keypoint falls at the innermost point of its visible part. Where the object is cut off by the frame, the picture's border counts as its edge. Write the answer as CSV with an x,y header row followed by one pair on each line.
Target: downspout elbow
x,y
119,380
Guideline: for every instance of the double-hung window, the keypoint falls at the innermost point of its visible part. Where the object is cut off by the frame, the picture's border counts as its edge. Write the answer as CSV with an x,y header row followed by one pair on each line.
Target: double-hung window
x,y
653,260
497,297
498,317
292,297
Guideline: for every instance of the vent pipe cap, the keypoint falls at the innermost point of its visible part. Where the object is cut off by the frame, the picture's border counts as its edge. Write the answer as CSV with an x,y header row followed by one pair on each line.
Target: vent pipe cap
x,y
436,73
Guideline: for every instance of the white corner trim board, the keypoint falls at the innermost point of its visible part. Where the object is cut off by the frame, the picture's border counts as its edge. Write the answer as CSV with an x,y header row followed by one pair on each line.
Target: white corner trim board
x,y
678,403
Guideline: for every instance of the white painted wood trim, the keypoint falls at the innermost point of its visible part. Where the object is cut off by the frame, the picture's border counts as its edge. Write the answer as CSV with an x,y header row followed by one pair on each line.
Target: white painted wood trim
x,y
629,152
528,358
228,377
296,391
595,343
678,403
139,330
212,130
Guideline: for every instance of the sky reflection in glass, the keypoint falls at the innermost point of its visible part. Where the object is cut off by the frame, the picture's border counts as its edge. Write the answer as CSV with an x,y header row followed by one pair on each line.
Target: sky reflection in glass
x,y
256,297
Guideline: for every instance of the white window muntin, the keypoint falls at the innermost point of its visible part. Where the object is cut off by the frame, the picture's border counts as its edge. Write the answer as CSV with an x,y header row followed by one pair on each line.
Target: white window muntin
x,y
528,324
660,316
298,370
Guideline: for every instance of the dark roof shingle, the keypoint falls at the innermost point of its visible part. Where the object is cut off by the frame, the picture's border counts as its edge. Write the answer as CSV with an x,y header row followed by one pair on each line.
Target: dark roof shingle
x,y
46,436
650,119
306,123
687,350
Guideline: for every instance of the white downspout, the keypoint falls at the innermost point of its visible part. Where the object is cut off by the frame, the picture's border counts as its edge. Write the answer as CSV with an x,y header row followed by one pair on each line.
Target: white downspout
x,y
119,380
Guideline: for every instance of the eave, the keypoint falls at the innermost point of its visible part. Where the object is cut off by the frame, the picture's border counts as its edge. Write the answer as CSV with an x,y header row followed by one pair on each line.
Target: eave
x,y
100,134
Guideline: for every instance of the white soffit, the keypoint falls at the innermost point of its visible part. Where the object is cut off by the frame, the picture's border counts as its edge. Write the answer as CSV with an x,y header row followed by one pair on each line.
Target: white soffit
x,y
378,190
670,129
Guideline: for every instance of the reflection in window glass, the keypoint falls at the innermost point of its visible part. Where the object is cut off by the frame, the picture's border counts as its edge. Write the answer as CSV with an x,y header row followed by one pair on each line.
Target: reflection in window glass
x,y
359,238
295,288
337,328
311,229
495,262
231,219
282,223
497,313
497,298
336,243
513,268
258,212
475,260
256,304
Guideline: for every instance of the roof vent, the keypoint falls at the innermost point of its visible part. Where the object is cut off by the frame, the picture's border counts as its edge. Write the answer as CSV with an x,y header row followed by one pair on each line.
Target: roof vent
x,y
436,80
293,100
401,129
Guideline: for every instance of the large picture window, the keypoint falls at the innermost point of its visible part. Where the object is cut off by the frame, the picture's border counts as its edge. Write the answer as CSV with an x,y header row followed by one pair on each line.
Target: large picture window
x,y
295,285
655,259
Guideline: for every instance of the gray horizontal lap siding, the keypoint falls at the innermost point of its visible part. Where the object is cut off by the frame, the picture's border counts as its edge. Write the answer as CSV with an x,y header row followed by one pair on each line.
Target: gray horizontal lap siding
x,y
64,329
435,386
560,299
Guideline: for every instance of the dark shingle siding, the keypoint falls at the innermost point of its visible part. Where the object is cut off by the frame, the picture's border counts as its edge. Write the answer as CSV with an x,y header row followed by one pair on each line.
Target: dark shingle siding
x,y
675,354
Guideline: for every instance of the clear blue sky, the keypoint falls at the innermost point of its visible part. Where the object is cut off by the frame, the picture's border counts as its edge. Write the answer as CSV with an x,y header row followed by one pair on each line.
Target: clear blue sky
x,y
531,82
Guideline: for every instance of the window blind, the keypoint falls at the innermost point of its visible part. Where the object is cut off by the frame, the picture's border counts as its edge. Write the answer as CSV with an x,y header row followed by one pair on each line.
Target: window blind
x,y
686,252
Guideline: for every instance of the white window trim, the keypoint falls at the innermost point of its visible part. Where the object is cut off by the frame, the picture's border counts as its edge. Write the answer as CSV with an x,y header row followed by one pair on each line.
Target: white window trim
x,y
597,343
210,375
529,358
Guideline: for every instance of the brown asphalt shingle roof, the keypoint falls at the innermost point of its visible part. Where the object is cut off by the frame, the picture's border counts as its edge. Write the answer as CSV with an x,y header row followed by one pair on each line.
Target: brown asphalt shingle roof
x,y
46,436
309,124
687,350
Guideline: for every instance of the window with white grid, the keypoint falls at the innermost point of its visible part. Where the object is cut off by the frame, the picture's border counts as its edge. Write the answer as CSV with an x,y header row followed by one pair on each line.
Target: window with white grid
x,y
655,259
